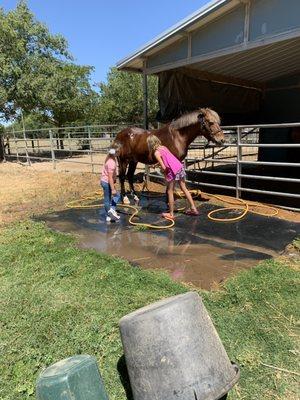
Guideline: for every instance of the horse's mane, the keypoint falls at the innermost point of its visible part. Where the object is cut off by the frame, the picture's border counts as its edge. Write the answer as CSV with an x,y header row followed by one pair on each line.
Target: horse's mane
x,y
192,118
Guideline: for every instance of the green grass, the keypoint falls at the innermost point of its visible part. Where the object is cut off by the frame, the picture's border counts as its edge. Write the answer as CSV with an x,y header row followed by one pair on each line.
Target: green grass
x,y
57,300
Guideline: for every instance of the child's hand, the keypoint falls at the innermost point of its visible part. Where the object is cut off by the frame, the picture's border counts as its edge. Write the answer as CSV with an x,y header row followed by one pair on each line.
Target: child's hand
x,y
113,192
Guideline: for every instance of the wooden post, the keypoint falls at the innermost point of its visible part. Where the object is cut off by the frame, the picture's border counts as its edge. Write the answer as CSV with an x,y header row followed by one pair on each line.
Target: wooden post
x,y
91,149
16,145
8,145
52,150
26,148
2,156
25,139
70,145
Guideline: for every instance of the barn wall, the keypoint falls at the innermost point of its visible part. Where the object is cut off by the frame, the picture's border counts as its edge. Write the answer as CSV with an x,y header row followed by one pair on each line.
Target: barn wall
x,y
175,52
270,17
281,105
227,31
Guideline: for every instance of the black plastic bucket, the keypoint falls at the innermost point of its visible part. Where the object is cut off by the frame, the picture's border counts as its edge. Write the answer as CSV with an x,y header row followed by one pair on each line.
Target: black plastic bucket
x,y
173,352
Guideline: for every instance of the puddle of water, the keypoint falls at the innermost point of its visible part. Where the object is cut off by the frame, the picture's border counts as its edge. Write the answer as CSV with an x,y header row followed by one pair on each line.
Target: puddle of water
x,y
197,250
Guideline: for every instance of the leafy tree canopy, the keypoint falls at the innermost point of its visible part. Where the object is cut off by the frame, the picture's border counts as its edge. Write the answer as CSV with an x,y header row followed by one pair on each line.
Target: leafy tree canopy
x,y
65,93
121,98
25,46
40,80
37,73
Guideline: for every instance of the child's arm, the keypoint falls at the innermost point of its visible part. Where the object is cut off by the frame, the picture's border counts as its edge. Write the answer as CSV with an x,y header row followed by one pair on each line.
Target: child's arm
x,y
160,161
111,182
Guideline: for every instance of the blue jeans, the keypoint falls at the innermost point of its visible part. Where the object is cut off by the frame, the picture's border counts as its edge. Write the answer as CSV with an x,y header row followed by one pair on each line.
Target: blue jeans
x,y
109,200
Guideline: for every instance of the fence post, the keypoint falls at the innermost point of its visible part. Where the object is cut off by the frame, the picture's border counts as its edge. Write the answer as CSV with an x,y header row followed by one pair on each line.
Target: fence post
x,y
16,145
26,148
238,163
8,145
2,152
70,145
38,144
52,150
91,149
213,156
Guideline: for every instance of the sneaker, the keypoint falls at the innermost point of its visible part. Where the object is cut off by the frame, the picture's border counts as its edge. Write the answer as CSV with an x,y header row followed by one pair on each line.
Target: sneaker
x,y
108,219
113,214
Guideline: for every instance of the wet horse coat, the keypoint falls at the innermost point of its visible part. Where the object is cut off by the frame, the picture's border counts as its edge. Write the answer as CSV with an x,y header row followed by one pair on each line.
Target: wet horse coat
x,y
131,143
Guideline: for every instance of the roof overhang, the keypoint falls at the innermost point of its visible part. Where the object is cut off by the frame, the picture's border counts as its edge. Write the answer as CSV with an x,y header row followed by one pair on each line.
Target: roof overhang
x,y
237,39
210,10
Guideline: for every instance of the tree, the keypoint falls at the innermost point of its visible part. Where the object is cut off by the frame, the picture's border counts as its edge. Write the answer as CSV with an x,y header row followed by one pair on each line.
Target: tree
x,y
39,79
37,74
26,48
32,121
121,98
65,93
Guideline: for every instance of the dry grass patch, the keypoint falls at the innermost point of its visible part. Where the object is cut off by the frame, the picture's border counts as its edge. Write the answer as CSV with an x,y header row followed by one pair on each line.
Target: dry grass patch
x,y
26,191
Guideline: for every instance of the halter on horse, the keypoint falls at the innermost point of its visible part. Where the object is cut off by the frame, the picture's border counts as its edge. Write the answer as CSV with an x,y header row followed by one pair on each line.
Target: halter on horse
x,y
131,143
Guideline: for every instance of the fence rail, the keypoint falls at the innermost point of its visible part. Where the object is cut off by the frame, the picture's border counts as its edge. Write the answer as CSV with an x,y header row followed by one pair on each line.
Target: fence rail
x,y
240,153
84,145
235,166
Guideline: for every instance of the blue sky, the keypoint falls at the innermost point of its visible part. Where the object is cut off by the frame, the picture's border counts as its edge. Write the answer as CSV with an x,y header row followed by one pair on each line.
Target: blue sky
x,y
101,32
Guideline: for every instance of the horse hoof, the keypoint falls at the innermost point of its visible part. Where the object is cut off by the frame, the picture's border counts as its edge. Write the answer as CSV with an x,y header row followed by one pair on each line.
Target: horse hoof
x,y
126,200
136,199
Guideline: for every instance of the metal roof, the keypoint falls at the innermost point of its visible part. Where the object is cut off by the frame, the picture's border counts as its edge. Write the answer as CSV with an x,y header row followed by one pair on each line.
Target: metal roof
x,y
260,64
258,60
171,32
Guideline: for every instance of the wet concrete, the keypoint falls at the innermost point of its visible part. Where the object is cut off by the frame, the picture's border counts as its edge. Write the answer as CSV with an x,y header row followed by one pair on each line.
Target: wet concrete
x,y
196,250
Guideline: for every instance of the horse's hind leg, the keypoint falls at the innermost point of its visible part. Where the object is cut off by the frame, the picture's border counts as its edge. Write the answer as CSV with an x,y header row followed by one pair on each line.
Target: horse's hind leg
x,y
130,176
122,173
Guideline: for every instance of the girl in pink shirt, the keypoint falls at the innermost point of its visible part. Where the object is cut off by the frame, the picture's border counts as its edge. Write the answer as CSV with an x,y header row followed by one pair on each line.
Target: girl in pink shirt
x,y
108,180
174,172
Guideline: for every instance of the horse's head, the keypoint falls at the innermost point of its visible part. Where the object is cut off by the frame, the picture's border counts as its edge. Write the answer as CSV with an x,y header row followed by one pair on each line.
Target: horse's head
x,y
210,125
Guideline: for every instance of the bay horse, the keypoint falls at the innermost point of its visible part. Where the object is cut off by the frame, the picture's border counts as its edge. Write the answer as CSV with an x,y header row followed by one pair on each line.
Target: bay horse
x,y
131,143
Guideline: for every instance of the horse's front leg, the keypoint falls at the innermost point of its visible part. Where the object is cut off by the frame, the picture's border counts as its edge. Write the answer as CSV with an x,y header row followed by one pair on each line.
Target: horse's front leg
x,y
122,174
130,176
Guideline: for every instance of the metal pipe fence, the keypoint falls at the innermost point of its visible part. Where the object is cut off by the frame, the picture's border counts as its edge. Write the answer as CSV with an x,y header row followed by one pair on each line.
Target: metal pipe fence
x,y
235,160
234,166
84,145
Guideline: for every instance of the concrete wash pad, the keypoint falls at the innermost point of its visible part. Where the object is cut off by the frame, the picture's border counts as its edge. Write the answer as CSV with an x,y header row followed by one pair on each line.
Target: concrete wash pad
x,y
197,250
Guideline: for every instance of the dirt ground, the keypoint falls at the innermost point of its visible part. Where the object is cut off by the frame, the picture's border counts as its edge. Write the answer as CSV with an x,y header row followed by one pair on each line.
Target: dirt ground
x,y
33,190
26,191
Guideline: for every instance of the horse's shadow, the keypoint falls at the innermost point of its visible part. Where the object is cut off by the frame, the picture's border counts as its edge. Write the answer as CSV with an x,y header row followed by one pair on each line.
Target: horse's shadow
x,y
124,377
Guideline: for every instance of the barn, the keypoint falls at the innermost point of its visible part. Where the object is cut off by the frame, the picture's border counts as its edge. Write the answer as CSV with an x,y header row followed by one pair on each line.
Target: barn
x,y
241,58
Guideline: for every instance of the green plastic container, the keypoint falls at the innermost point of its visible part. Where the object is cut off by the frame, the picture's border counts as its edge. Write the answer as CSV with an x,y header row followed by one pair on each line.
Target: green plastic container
x,y
74,378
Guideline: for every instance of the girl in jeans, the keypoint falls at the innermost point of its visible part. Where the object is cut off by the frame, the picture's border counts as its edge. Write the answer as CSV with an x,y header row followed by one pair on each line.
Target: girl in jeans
x,y
108,180
173,171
